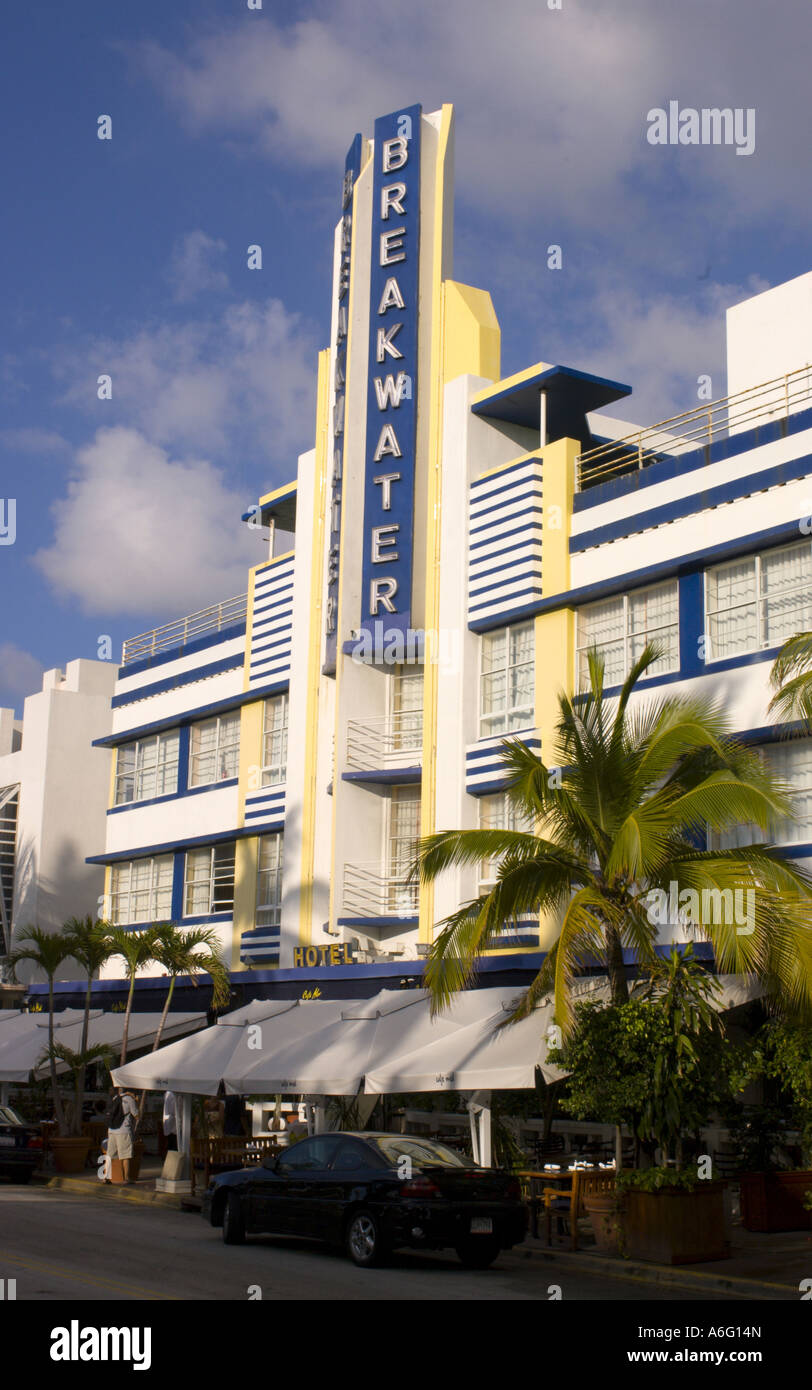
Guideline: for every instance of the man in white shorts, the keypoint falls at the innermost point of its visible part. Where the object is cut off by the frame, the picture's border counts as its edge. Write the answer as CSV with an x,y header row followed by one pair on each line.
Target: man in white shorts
x,y
123,1110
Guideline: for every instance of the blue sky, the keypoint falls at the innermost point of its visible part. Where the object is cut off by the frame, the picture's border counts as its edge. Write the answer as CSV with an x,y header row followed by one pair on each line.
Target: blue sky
x,y
230,126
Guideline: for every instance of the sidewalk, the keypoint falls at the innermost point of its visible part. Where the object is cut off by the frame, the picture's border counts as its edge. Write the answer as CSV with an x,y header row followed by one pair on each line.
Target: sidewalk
x,y
141,1193
760,1266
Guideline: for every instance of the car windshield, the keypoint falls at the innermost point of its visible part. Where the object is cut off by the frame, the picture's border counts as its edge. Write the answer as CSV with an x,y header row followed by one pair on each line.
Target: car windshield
x,y
425,1153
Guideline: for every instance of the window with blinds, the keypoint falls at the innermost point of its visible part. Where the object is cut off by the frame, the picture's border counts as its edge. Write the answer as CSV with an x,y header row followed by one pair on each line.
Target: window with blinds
x,y
507,680
758,601
623,626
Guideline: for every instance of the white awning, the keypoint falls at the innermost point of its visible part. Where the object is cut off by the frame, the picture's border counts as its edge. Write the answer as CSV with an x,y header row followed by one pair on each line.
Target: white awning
x,y
484,1056
258,1030
24,1040
335,1060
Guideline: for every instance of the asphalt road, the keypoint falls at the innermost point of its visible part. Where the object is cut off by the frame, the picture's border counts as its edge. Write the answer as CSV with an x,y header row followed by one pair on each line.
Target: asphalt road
x,y
60,1246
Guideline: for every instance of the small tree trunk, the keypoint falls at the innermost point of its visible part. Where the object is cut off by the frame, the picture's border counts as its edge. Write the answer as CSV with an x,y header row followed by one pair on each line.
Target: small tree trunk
x,y
615,967
156,1045
58,1107
618,1148
79,1089
125,1036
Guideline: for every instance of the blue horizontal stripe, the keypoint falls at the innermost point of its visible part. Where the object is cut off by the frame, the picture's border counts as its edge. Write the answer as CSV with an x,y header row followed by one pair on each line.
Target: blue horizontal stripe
x,y
535,479
529,490
527,578
385,776
168,847
507,575
172,796
179,721
776,476
199,644
488,525
198,673
509,468
503,535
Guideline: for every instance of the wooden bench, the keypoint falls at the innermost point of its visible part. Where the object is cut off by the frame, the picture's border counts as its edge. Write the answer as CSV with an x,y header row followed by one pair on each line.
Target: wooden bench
x,y
558,1201
227,1152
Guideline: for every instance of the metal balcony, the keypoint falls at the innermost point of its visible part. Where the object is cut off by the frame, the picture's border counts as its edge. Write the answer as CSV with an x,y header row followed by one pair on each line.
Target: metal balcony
x,y
698,428
386,744
371,891
184,630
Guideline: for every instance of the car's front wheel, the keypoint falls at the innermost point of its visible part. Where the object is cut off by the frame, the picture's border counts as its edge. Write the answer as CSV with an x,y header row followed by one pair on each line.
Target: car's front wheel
x,y
364,1242
478,1252
233,1221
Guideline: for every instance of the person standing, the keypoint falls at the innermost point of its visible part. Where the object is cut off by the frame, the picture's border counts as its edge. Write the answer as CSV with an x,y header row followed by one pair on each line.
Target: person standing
x,y
121,1122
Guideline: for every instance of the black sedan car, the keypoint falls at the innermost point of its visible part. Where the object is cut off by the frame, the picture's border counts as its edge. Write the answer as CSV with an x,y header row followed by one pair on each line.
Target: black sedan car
x,y
372,1193
20,1146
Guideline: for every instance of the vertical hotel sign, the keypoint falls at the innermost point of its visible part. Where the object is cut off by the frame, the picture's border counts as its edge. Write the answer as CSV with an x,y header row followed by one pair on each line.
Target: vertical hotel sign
x,y
392,388
352,168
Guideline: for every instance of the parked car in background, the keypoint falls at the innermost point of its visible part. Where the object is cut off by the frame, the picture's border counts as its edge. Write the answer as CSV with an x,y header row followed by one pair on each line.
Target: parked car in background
x,y
20,1146
373,1193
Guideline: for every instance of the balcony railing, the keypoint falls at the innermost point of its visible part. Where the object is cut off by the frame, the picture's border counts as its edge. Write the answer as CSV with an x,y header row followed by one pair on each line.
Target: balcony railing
x,y
370,891
375,745
696,429
185,630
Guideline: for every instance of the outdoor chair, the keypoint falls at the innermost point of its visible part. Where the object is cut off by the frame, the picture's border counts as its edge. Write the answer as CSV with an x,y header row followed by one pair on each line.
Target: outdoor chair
x,y
568,1205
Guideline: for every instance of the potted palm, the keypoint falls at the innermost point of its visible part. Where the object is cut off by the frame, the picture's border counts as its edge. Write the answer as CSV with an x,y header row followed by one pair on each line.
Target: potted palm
x,y
661,1065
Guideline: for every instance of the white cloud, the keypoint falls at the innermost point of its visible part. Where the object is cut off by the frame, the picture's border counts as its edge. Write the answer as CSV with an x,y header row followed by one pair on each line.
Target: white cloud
x,y
552,103
20,672
193,269
33,440
242,379
141,531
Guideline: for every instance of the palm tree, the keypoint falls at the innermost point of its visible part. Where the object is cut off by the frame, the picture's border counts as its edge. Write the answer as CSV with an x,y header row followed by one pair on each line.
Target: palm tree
x,y
137,949
189,951
621,818
90,946
178,950
47,952
791,678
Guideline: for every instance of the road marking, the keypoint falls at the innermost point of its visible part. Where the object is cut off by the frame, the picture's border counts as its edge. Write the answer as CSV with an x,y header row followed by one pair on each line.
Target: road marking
x,y
63,1272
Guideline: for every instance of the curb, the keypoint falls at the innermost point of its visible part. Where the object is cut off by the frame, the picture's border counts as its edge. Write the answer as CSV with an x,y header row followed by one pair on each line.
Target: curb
x,y
89,1187
678,1276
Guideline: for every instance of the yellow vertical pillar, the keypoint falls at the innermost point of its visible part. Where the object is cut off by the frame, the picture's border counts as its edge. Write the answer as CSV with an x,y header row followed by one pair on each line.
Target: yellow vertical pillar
x,y
555,632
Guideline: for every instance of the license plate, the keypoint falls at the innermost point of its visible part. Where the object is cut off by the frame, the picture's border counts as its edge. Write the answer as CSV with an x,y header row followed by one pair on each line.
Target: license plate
x,y
7,1141
481,1226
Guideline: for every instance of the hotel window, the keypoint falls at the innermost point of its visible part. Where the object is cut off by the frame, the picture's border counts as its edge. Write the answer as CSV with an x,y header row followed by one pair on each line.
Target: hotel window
x,y
141,891
407,708
215,750
147,768
275,741
210,880
790,763
507,682
621,627
758,601
269,881
403,833
498,812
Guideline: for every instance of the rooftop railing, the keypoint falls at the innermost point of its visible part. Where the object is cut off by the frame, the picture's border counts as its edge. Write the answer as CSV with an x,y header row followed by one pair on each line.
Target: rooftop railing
x,y
185,630
696,429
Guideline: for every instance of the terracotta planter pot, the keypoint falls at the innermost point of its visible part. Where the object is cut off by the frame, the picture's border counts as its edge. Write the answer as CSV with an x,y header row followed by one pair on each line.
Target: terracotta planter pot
x,y
775,1201
605,1218
117,1164
676,1227
70,1155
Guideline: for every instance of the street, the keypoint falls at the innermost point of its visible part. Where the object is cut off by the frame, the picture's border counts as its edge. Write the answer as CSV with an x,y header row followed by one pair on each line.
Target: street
x,y
58,1245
